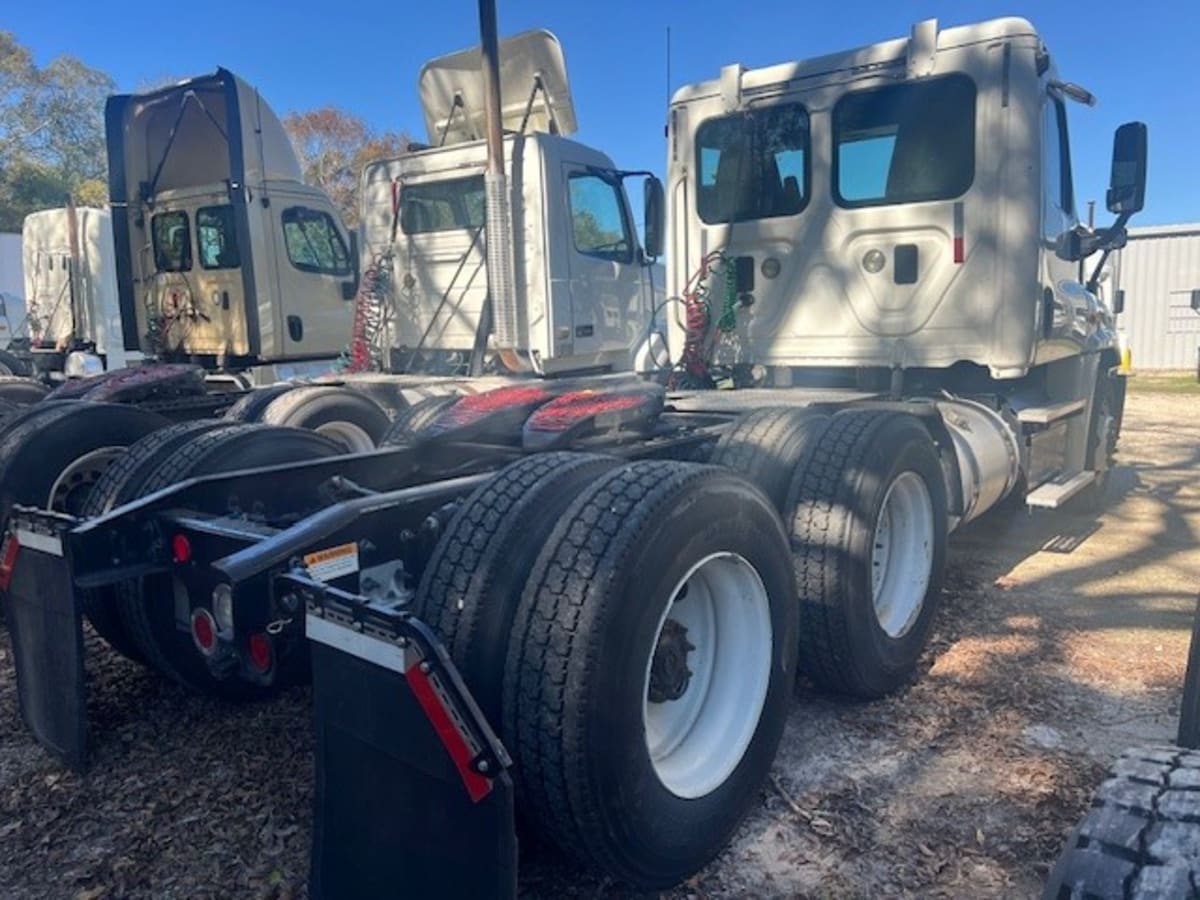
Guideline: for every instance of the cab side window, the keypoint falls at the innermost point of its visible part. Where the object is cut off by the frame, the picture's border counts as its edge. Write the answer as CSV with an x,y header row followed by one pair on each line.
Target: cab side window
x,y
172,242
313,242
598,222
1058,191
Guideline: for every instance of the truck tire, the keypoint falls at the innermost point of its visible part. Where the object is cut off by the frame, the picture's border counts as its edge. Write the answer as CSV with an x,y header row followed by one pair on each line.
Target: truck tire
x,y
7,408
51,458
145,606
251,407
767,445
11,364
1108,404
868,534
349,417
473,582
411,421
22,391
119,485
1141,838
625,757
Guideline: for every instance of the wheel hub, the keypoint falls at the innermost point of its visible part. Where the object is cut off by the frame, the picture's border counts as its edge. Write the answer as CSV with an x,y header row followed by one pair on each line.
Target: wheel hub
x,y
669,672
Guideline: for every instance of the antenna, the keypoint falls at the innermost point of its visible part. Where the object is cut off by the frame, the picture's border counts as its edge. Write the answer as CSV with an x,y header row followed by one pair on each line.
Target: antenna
x,y
668,65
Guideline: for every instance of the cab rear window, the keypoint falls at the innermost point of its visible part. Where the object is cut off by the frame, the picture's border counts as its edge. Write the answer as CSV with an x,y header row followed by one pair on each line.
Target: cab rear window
x,y
172,240
449,205
904,143
753,164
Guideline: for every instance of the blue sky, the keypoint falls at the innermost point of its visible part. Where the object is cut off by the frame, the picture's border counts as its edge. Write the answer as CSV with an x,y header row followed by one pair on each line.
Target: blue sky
x,y
1139,59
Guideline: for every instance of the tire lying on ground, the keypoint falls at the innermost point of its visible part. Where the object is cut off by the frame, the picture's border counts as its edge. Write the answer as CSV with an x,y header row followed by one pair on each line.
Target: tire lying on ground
x,y
767,445
120,484
52,456
1141,838
21,391
251,407
650,668
476,573
344,415
411,421
147,607
868,534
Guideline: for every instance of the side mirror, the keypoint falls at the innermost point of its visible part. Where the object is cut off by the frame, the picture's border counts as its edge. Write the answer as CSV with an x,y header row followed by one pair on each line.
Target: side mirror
x,y
1127,185
653,216
1118,304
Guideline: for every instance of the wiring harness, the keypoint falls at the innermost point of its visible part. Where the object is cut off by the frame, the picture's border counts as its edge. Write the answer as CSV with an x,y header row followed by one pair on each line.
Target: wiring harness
x,y
365,353
712,285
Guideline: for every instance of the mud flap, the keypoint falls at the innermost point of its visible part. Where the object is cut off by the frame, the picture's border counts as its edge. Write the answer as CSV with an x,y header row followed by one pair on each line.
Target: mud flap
x,y
45,621
412,796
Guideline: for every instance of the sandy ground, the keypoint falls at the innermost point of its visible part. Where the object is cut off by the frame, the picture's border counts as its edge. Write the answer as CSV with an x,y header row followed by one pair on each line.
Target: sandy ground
x,y
1062,639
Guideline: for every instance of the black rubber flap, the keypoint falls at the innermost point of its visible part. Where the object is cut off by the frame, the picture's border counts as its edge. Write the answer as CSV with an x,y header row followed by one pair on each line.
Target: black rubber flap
x,y
392,817
45,622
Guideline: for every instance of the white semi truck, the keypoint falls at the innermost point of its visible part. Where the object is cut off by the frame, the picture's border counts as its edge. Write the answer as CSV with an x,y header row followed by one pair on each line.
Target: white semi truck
x,y
878,327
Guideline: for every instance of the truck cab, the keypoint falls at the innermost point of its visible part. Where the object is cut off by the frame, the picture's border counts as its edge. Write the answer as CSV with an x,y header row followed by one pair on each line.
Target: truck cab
x,y
845,235
224,255
583,280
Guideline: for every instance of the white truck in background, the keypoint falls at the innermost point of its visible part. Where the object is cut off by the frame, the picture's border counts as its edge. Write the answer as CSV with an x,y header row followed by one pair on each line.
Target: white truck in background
x,y
71,292
212,252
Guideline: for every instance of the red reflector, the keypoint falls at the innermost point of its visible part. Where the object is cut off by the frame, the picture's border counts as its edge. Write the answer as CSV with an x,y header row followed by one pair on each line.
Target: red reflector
x,y
181,549
204,631
8,559
259,647
477,785
959,251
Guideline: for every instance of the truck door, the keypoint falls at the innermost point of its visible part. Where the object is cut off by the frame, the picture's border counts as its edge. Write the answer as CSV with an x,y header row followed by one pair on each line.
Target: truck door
x,y
1065,303
607,302
316,271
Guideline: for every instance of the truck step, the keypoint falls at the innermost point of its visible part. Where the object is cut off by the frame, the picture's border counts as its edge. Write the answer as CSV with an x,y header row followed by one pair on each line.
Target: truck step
x,y
1057,491
1044,415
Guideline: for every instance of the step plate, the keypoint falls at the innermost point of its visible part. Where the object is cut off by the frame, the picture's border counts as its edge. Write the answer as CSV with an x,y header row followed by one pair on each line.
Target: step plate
x,y
1054,494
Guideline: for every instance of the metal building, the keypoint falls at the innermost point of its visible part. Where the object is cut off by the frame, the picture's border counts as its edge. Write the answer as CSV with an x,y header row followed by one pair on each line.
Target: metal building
x,y
1159,271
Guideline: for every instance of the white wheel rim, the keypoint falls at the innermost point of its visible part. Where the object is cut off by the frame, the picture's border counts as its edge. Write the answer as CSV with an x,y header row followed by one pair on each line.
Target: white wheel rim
x,y
81,473
902,554
697,739
349,435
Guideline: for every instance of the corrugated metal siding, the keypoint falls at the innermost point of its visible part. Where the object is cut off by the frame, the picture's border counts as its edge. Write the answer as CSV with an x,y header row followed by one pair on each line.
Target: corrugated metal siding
x,y
1158,270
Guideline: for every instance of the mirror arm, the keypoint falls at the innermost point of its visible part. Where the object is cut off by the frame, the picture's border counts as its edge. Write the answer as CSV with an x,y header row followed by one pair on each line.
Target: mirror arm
x,y
1108,245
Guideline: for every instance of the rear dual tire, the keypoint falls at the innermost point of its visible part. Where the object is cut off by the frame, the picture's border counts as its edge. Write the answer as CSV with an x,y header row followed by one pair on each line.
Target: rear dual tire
x,y
631,765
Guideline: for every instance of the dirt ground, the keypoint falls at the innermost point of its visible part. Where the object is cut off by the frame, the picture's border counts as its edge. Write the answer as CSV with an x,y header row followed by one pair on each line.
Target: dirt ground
x,y
1062,639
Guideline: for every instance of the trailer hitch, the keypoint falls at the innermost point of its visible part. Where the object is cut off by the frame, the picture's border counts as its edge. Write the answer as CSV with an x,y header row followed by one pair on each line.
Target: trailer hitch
x,y
413,797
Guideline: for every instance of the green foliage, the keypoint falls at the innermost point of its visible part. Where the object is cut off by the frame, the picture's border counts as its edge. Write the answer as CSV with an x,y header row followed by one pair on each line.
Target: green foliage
x,y
51,132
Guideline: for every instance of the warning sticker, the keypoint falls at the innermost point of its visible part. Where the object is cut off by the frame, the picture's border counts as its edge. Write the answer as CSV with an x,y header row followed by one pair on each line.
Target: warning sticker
x,y
334,562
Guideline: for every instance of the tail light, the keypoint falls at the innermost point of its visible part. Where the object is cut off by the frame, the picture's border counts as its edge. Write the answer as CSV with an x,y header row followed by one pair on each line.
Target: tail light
x,y
204,632
260,653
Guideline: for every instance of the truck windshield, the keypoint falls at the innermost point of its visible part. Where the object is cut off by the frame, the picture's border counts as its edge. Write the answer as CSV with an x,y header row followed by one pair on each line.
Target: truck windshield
x,y
905,143
753,164
442,205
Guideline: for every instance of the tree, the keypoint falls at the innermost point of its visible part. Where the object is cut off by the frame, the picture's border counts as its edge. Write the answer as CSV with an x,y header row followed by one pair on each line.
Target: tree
x,y
51,132
333,147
